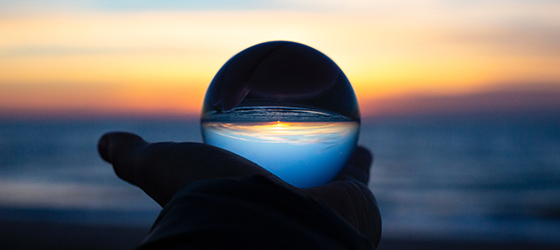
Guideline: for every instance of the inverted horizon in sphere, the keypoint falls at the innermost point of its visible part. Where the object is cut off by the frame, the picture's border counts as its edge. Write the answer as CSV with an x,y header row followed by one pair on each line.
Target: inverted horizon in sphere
x,y
304,154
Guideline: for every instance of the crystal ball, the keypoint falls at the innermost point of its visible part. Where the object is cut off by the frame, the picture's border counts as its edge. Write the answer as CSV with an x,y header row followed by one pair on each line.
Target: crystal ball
x,y
287,107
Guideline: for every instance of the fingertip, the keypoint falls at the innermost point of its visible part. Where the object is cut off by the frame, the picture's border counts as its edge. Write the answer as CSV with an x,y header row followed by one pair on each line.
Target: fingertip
x,y
103,147
358,167
111,142
362,157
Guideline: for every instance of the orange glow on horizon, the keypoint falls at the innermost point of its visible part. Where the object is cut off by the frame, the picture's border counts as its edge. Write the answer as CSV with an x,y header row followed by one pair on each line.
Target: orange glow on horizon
x,y
283,132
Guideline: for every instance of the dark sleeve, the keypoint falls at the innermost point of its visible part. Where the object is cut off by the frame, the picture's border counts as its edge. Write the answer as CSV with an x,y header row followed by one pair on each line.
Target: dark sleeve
x,y
248,213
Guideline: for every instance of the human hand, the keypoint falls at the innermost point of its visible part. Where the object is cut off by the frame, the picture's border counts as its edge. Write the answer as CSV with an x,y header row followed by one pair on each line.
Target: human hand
x,y
160,169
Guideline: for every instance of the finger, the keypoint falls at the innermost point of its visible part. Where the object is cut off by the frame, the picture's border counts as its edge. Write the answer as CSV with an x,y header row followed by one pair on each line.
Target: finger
x,y
358,167
121,149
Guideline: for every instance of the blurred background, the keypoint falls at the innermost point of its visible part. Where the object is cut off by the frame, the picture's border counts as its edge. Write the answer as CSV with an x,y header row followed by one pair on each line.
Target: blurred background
x,y
460,104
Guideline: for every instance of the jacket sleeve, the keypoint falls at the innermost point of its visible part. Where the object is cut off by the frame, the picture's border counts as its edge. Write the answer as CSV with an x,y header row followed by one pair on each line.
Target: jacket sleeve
x,y
248,213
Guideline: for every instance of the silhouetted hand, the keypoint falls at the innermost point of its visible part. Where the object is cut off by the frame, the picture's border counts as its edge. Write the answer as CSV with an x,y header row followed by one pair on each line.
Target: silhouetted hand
x,y
160,169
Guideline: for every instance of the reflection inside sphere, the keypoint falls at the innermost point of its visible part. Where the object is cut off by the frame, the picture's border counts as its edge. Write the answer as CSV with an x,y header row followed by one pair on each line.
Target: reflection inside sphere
x,y
288,108
303,153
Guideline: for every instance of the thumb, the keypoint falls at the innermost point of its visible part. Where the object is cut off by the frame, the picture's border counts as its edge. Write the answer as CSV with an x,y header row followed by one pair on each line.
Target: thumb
x,y
122,150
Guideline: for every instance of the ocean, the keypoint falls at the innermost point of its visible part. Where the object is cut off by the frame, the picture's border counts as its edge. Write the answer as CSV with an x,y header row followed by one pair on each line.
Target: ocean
x,y
462,177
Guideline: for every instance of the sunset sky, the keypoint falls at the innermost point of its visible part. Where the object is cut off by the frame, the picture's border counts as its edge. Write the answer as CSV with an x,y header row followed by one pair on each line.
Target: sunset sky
x,y
158,57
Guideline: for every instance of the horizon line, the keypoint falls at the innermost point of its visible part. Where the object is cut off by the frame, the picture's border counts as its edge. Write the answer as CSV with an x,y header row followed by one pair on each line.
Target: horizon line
x,y
502,101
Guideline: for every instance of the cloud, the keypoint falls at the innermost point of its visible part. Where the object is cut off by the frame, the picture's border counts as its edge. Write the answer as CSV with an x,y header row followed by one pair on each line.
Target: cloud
x,y
509,39
509,99
26,7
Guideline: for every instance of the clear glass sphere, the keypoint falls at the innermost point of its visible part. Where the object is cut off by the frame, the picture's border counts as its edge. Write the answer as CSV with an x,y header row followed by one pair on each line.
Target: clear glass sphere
x,y
288,108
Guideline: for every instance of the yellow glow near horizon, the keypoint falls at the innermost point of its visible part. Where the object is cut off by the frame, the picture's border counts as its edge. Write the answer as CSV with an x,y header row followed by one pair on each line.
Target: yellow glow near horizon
x,y
163,61
283,132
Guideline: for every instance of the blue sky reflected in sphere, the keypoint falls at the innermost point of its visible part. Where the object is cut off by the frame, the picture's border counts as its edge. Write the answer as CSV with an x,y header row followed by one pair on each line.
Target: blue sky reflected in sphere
x,y
304,154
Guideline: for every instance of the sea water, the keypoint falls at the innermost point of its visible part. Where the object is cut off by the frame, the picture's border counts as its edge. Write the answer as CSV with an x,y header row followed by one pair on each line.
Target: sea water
x,y
305,148
468,177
